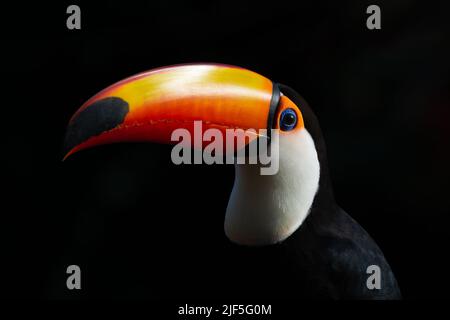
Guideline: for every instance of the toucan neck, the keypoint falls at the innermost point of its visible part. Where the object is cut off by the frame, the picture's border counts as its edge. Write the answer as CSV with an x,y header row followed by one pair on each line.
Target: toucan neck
x,y
266,209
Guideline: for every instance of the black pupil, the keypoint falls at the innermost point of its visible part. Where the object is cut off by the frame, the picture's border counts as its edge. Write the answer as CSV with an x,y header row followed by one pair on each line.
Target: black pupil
x,y
289,119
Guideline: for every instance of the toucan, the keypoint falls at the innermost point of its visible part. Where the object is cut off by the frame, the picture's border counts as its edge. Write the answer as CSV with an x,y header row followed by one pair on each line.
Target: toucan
x,y
286,231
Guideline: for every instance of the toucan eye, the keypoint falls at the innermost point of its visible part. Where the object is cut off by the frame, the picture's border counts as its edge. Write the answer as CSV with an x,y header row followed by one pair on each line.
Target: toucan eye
x,y
288,120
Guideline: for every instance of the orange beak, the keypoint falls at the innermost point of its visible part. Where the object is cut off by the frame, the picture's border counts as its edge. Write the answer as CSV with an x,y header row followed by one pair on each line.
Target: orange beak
x,y
151,105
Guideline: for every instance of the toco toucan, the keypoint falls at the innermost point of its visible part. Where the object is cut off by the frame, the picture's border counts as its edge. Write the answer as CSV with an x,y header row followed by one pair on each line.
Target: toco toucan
x,y
286,229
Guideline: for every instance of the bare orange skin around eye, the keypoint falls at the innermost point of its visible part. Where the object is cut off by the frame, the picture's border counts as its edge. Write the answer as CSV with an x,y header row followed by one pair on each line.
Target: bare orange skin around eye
x,y
286,103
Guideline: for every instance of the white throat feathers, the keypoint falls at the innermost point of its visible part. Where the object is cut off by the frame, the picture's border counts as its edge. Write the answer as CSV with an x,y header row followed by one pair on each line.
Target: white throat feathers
x,y
267,209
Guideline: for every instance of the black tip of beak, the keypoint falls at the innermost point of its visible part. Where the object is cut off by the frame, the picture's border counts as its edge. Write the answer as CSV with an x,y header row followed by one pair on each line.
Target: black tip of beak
x,y
100,116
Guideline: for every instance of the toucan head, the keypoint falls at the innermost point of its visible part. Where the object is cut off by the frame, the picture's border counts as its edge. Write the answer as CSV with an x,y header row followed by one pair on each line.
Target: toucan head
x,y
151,105
148,107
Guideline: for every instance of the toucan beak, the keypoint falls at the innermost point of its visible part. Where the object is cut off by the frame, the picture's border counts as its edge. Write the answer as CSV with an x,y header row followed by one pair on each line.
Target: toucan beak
x,y
151,105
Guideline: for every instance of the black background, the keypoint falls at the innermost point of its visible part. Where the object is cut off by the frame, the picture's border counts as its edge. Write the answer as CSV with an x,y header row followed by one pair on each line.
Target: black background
x,y
141,227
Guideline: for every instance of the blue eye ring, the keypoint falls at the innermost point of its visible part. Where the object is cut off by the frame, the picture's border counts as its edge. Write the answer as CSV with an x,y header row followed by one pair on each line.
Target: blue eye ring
x,y
288,119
